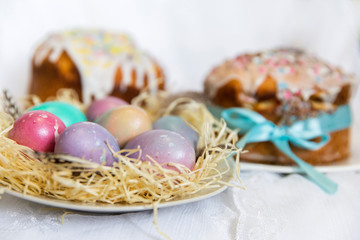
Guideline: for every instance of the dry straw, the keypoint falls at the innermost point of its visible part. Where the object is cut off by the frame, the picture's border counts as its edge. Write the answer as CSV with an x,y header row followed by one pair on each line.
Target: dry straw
x,y
129,180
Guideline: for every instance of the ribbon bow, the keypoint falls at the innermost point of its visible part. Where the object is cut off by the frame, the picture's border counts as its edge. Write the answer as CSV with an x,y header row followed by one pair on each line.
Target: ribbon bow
x,y
255,128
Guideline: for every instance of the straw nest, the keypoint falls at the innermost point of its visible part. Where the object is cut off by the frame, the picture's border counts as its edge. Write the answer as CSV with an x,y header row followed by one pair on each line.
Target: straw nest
x,y
129,180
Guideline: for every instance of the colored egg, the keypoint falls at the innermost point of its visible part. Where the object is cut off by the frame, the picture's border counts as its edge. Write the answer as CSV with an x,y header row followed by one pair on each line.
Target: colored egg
x,y
37,130
65,111
176,124
100,106
125,122
87,140
164,147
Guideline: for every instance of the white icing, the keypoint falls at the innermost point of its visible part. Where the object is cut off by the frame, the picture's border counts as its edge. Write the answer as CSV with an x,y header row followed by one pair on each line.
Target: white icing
x,y
294,70
307,93
258,81
97,55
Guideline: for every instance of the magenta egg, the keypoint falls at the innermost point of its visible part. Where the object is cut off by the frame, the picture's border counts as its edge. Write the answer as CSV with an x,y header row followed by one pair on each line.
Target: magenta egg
x,y
176,124
100,106
89,141
164,147
37,130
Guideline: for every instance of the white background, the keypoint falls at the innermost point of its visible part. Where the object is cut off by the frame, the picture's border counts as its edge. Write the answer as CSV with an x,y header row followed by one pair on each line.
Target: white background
x,y
188,38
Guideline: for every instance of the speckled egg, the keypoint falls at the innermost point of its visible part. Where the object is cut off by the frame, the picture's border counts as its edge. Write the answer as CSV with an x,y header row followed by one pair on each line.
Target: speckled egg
x,y
37,130
176,124
100,106
87,140
164,146
125,122
65,111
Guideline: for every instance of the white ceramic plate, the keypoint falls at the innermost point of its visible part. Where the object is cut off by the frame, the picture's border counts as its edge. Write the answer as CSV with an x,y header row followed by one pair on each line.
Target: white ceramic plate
x,y
352,164
117,208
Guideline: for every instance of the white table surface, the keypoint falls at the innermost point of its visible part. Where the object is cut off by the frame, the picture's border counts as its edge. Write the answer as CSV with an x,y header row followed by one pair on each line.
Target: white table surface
x,y
272,207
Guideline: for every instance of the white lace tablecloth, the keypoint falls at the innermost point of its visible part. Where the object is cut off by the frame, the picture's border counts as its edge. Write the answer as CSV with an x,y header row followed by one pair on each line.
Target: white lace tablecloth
x,y
273,207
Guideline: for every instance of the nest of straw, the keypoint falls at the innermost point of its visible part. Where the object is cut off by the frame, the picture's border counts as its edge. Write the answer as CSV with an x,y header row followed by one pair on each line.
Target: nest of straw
x,y
129,180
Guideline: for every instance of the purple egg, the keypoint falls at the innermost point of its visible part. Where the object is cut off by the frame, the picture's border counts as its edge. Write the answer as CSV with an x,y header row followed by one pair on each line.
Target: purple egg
x,y
88,141
100,106
176,124
164,147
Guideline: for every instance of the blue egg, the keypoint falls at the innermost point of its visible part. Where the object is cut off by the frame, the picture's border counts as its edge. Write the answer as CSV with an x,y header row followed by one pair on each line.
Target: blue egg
x,y
65,111
176,124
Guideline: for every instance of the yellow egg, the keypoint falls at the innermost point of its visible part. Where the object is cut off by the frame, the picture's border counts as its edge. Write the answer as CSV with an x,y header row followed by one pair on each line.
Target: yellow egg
x,y
125,122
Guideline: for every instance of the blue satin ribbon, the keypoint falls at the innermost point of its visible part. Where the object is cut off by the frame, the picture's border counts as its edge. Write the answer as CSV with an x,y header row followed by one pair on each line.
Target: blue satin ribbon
x,y
255,128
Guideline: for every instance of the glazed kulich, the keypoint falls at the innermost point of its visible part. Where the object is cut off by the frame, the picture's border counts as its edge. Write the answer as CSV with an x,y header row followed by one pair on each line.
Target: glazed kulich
x,y
284,85
95,63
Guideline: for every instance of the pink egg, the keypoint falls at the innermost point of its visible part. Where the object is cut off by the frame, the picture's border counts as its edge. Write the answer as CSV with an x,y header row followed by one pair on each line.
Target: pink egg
x,y
98,107
125,122
164,147
37,130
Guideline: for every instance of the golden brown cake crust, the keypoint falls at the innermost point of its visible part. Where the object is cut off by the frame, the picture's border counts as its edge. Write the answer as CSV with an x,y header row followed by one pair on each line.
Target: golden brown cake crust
x,y
47,78
94,63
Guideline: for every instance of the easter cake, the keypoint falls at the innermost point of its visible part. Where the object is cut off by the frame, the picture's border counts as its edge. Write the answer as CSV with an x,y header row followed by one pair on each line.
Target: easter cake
x,y
286,87
94,63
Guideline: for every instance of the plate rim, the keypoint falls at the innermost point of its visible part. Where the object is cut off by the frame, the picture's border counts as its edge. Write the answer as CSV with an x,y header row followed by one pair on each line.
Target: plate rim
x,y
110,208
99,207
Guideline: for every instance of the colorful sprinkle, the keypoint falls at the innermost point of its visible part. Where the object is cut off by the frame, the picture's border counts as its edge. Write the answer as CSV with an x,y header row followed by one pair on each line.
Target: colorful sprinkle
x,y
283,62
281,70
262,69
291,70
287,95
257,60
282,85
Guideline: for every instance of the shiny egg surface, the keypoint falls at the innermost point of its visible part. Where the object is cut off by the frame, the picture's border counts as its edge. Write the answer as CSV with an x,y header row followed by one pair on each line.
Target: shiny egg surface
x,y
164,147
100,106
125,122
176,124
37,130
68,113
89,141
